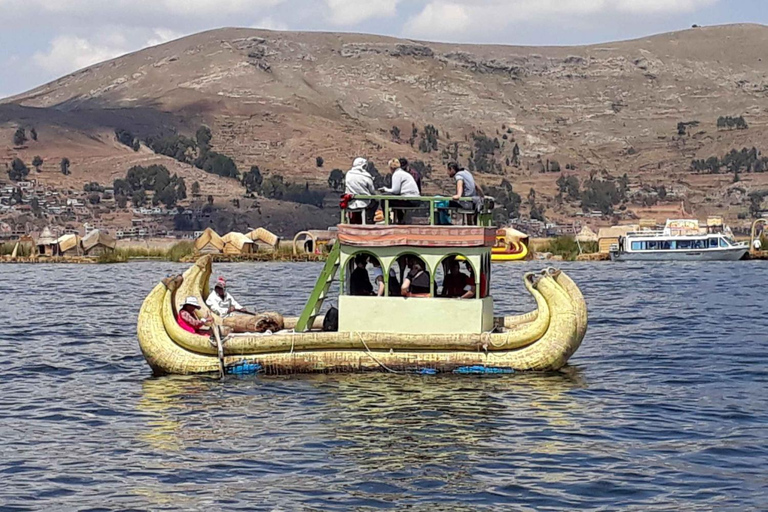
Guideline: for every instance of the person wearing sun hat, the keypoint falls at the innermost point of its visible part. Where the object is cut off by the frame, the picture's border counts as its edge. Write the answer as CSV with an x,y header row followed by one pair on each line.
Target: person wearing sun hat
x,y
221,302
187,317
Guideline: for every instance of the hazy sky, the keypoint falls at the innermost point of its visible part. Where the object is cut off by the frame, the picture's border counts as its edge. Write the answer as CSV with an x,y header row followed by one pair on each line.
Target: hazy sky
x,y
44,39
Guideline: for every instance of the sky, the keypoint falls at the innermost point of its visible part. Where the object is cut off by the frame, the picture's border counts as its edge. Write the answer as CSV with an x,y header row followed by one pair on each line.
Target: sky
x,y
42,40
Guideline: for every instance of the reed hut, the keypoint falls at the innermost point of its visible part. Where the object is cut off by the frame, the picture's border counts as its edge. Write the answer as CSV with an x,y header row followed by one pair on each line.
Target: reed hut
x,y
313,241
587,235
607,237
209,243
262,237
97,243
69,245
46,243
237,243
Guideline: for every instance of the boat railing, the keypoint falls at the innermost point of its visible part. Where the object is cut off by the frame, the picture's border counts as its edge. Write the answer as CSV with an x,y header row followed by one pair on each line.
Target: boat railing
x,y
435,204
649,233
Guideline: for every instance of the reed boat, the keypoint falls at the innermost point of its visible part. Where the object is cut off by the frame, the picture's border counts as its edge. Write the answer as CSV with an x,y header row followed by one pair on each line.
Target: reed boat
x,y
413,332
511,245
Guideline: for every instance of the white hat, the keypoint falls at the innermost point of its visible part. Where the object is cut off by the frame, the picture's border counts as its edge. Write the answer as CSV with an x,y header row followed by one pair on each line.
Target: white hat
x,y
191,301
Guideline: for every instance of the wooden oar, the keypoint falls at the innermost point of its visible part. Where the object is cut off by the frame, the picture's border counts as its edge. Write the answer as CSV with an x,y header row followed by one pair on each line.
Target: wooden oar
x,y
217,335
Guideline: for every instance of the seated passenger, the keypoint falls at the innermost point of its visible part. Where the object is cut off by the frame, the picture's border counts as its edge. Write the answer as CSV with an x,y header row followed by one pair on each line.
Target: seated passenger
x,y
359,282
394,282
417,283
457,284
404,185
359,182
188,320
378,277
221,302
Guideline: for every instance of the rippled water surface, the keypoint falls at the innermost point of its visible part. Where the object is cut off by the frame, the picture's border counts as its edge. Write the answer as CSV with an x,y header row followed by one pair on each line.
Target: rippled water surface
x,y
665,406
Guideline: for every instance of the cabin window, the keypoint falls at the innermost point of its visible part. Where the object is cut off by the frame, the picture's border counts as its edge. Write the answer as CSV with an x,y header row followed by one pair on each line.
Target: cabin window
x,y
363,275
723,243
453,278
684,244
638,246
713,243
699,244
409,274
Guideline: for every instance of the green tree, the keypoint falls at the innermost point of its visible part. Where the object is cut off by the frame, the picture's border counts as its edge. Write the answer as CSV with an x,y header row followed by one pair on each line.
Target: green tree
x,y
20,137
33,134
37,162
319,161
252,180
395,133
203,137
139,198
122,201
221,165
64,165
94,198
18,170
336,180
35,205
195,189
125,137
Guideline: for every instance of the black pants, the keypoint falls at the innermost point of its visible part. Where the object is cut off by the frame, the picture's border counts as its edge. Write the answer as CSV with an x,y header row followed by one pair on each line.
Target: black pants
x,y
401,203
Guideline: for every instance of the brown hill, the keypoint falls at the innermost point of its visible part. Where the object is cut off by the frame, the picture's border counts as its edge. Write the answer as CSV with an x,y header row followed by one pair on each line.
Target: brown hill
x,y
280,99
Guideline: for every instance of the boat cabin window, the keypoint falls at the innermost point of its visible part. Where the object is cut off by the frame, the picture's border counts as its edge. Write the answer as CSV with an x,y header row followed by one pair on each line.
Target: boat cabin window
x,y
723,243
364,275
453,278
712,243
413,276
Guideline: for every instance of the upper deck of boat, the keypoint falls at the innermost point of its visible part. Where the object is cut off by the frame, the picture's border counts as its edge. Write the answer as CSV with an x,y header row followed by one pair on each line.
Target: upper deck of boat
x,y
427,221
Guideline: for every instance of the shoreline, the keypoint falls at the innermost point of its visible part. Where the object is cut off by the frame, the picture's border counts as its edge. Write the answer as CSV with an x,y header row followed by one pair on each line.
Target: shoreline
x,y
283,258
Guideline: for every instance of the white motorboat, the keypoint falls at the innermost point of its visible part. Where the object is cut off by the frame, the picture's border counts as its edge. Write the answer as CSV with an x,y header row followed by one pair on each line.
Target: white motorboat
x,y
680,240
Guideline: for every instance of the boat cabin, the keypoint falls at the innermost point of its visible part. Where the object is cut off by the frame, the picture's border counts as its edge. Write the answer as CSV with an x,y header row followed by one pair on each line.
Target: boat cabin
x,y
449,267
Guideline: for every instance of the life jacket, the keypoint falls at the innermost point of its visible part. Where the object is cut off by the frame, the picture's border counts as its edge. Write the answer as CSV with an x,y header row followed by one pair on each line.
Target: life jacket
x,y
184,325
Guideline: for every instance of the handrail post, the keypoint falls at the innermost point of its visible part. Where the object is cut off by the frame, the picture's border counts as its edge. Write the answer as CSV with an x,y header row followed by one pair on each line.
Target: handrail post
x,y
386,212
432,211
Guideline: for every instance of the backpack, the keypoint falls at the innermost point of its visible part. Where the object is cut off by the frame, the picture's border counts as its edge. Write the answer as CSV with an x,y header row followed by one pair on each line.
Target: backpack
x,y
331,320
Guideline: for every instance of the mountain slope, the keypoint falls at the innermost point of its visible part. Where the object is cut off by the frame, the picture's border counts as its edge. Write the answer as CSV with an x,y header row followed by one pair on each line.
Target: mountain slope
x,y
280,99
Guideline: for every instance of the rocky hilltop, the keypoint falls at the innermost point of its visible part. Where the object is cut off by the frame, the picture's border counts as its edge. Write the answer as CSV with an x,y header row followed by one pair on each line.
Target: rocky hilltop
x,y
279,100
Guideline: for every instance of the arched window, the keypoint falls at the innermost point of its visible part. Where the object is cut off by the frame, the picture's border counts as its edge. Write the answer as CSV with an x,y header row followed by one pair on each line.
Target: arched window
x,y
364,276
410,275
453,278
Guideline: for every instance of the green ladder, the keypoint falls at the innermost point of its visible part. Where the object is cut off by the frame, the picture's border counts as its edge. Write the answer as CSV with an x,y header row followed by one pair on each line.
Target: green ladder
x,y
320,292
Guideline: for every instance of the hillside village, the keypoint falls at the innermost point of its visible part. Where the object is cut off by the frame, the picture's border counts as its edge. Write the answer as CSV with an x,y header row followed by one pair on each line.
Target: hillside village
x,y
561,137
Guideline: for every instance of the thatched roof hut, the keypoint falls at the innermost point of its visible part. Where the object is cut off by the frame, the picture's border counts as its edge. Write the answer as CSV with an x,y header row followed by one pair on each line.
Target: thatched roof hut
x,y
610,236
98,242
237,243
46,243
209,242
586,235
512,235
265,237
69,245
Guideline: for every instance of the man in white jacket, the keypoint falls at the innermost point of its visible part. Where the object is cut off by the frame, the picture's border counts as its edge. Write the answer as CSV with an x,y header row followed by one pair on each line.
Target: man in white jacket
x,y
359,182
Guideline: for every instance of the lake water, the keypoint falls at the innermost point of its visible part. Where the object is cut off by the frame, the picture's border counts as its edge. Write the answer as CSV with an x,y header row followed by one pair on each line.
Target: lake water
x,y
665,405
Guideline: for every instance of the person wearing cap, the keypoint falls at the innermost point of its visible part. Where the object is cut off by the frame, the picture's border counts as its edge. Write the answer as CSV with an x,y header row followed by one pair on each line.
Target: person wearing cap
x,y
221,302
403,185
187,318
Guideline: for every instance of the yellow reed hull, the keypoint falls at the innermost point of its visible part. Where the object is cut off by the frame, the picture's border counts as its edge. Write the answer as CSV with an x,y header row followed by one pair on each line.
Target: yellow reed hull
x,y
541,340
